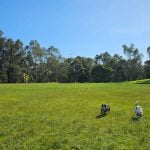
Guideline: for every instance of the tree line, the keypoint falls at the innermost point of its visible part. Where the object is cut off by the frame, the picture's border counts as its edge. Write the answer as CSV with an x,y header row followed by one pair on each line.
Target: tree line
x,y
33,63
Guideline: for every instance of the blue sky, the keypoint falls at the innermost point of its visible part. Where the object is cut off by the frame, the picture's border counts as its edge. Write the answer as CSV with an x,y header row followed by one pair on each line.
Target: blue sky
x,y
78,27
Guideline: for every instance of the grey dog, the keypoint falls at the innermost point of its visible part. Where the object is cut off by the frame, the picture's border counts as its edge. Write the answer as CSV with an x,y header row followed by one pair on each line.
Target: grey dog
x,y
105,108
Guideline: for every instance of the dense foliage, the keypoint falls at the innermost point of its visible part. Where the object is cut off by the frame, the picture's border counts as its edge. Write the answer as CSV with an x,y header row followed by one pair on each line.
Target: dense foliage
x,y
33,63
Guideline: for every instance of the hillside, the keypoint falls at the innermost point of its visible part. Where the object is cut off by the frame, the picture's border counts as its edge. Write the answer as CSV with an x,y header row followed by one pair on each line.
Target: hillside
x,y
63,116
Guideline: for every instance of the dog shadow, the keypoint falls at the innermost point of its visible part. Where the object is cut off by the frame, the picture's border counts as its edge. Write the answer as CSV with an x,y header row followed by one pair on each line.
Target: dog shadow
x,y
135,119
101,116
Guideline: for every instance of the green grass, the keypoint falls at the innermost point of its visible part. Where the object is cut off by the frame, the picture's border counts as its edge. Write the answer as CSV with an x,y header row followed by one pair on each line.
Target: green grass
x,y
63,116
145,81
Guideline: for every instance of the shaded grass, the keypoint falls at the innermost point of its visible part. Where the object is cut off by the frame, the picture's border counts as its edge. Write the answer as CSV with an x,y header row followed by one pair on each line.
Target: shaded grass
x,y
63,116
145,81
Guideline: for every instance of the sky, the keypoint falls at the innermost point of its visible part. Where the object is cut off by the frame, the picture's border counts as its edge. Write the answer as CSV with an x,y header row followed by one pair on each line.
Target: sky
x,y
78,27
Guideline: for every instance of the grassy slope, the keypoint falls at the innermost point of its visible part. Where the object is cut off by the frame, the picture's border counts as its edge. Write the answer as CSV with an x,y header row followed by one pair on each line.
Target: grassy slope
x,y
63,116
145,81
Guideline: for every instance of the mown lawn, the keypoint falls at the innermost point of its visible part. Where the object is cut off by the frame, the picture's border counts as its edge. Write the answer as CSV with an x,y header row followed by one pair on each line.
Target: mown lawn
x,y
63,116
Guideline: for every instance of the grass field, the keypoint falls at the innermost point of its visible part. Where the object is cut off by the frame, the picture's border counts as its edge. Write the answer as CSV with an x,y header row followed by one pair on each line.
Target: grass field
x,y
63,116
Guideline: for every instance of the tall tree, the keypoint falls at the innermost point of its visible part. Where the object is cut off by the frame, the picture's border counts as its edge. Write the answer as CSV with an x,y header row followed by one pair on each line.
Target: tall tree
x,y
3,70
103,58
148,51
101,74
34,63
134,59
37,53
147,64
53,58
29,66
14,60
147,68
79,69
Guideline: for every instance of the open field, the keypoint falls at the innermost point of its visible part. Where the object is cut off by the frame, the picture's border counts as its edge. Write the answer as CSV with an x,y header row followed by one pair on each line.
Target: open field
x,y
63,116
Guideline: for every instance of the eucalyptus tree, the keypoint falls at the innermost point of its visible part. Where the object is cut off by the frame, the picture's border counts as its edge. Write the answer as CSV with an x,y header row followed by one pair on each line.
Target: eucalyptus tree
x,y
148,51
53,61
103,58
79,69
14,60
3,70
147,64
100,73
147,68
36,55
134,66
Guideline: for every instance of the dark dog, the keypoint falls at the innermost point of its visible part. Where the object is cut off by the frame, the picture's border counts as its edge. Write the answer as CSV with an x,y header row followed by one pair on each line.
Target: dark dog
x,y
105,108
